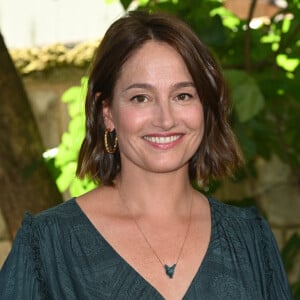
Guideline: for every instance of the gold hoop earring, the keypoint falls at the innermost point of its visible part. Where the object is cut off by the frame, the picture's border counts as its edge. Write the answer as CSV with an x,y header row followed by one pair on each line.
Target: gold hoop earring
x,y
108,148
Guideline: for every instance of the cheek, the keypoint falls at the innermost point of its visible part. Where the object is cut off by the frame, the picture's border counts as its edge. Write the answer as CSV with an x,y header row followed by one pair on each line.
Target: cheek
x,y
128,120
195,118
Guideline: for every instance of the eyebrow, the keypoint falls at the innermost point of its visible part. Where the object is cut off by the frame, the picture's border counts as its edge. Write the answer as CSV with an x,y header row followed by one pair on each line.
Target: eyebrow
x,y
183,84
148,86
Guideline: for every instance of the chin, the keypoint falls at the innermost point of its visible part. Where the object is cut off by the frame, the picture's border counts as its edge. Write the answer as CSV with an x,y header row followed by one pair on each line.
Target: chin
x,y
166,168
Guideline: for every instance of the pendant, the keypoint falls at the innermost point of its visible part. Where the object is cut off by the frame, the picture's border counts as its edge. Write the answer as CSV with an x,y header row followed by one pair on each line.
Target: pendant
x,y
170,270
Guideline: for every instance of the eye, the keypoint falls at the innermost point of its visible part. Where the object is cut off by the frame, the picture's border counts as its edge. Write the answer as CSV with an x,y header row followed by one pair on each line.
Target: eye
x,y
139,99
184,97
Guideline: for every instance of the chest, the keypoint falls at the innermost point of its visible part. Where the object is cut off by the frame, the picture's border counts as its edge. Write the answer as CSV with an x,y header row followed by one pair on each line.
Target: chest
x,y
94,270
148,254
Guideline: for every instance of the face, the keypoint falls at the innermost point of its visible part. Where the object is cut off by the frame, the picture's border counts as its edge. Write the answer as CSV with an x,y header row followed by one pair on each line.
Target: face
x,y
155,111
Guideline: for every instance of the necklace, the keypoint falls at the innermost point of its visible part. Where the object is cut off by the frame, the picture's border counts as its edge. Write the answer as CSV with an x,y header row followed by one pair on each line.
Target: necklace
x,y
169,270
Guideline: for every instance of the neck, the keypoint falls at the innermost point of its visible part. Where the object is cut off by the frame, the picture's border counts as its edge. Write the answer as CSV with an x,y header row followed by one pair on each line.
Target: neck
x,y
156,194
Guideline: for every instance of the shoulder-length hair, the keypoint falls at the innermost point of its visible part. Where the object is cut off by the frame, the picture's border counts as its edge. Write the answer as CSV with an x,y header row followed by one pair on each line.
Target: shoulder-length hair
x,y
218,154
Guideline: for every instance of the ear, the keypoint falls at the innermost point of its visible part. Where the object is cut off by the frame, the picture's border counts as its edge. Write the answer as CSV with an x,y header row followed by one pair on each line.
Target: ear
x,y
107,115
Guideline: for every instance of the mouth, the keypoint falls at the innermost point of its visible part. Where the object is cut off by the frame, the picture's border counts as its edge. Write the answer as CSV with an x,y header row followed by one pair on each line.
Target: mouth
x,y
162,139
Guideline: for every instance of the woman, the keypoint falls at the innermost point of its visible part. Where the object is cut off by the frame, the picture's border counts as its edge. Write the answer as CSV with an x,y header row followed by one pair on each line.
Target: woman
x,y
156,120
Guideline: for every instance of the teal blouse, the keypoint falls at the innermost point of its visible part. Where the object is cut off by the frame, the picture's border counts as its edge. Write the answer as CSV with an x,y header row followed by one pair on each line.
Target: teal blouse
x,y
59,254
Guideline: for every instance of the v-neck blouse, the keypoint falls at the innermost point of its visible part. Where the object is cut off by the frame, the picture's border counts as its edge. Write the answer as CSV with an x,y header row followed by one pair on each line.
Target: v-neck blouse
x,y
59,254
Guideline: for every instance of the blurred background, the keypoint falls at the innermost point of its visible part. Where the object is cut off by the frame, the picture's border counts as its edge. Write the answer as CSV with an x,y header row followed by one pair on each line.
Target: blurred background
x,y
46,47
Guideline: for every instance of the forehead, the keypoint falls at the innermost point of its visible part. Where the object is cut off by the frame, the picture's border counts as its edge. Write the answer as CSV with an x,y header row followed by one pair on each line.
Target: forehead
x,y
151,60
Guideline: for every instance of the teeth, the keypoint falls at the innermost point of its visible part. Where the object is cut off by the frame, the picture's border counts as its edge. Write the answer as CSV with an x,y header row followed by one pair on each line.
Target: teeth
x,y
162,140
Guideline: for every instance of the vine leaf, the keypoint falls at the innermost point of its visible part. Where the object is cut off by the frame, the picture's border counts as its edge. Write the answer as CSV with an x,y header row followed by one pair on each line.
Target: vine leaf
x,y
246,95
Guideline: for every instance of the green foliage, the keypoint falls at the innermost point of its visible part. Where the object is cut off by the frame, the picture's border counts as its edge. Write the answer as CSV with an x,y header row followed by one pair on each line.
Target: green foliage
x,y
246,96
66,158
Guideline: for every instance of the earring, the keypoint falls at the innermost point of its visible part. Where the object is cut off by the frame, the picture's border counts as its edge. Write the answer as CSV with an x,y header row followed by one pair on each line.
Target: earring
x,y
108,148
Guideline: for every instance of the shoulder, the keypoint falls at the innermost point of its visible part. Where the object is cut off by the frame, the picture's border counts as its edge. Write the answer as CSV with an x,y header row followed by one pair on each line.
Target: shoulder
x,y
243,226
61,210
60,216
244,235
235,220
233,212
71,216
52,231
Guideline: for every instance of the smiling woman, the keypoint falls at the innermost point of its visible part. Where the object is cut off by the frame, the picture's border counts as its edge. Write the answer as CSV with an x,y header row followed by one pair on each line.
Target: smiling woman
x,y
155,110
156,120
218,154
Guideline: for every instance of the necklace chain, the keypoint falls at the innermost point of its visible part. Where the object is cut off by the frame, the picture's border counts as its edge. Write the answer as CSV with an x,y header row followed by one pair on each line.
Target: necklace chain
x,y
169,270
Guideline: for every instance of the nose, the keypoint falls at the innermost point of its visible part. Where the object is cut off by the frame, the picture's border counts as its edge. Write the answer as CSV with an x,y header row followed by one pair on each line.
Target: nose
x,y
164,115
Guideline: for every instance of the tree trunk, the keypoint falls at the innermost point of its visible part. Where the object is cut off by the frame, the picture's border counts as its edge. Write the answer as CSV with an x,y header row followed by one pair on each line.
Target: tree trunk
x,y
25,183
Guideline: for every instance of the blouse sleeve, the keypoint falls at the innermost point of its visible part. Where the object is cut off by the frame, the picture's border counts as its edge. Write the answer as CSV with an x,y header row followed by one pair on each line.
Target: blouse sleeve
x,y
20,276
277,282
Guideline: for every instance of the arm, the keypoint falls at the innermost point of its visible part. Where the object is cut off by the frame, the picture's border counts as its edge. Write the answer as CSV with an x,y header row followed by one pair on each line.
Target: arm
x,y
20,276
276,276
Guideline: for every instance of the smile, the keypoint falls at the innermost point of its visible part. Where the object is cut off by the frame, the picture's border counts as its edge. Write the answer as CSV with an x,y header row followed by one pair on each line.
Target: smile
x,y
161,139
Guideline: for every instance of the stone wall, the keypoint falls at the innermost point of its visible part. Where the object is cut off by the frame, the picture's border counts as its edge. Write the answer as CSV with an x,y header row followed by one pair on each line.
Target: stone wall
x,y
275,188
45,96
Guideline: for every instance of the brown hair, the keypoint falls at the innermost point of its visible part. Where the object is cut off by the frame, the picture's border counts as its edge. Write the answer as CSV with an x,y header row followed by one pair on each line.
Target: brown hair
x,y
218,154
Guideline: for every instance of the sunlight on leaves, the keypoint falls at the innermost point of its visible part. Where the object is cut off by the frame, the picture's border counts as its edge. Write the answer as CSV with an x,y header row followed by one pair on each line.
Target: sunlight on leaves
x,y
228,18
67,154
289,64
67,176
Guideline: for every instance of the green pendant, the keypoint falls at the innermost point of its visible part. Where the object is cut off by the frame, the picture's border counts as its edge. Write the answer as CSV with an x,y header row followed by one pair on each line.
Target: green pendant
x,y
170,270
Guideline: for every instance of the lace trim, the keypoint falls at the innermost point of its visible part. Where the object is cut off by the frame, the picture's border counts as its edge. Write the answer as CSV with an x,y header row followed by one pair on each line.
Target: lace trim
x,y
32,242
266,255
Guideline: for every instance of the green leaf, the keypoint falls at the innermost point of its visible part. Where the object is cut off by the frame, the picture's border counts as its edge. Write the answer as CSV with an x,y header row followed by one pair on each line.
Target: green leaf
x,y
289,64
66,150
247,143
71,94
229,19
65,178
66,158
247,98
79,187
